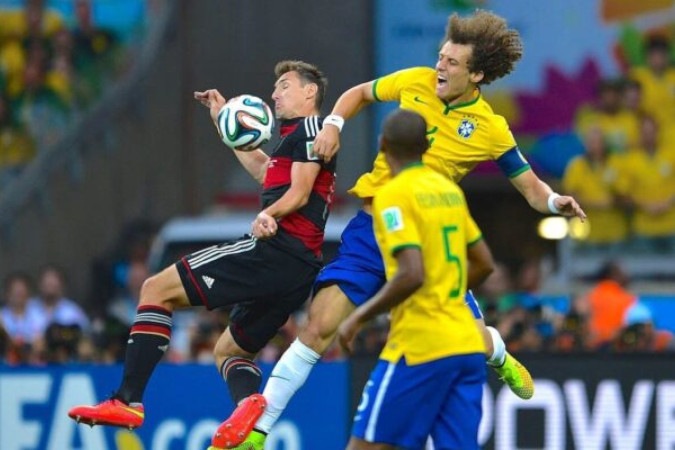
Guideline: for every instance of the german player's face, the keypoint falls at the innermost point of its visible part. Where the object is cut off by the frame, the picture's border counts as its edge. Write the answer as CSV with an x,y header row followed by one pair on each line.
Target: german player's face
x,y
289,96
454,81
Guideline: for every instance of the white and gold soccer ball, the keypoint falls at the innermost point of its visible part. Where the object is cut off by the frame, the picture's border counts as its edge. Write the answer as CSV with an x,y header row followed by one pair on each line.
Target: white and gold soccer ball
x,y
245,122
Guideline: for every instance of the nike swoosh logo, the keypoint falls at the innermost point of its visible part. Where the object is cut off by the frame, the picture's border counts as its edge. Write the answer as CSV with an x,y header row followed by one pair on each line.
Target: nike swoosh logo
x,y
419,100
133,411
281,378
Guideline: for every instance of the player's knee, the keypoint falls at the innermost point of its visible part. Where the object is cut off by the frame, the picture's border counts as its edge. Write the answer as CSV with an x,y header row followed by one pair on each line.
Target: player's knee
x,y
316,336
154,291
149,290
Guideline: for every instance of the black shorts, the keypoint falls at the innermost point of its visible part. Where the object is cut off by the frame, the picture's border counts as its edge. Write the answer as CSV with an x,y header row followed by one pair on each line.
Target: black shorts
x,y
264,284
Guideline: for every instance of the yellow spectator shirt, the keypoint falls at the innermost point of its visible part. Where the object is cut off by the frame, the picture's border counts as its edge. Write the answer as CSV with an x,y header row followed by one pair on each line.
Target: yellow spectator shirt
x,y
460,136
658,96
421,208
621,130
594,186
649,179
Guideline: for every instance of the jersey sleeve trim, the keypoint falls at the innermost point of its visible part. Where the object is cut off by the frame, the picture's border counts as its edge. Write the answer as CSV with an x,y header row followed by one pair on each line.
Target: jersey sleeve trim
x,y
377,99
512,163
475,241
312,126
398,248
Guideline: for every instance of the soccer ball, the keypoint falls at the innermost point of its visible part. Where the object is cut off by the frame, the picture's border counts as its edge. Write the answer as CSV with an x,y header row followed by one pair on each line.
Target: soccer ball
x,y
245,122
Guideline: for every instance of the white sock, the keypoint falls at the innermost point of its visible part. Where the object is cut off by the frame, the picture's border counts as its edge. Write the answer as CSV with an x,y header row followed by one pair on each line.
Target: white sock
x,y
288,375
499,354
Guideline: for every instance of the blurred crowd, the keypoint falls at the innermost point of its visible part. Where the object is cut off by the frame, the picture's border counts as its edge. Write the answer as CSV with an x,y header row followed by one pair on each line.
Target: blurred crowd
x,y
40,324
51,69
625,179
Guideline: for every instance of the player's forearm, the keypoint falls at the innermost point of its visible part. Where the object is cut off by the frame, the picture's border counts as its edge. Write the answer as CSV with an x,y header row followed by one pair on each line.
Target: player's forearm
x,y
255,163
291,201
535,191
394,292
481,263
351,102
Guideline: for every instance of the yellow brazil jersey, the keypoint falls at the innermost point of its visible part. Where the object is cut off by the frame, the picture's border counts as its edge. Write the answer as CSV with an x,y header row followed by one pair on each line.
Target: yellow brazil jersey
x,y
421,208
460,136
594,186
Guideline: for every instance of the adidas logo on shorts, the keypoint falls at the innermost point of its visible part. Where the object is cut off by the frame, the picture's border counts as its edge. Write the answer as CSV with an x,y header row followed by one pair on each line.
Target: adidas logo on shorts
x,y
208,280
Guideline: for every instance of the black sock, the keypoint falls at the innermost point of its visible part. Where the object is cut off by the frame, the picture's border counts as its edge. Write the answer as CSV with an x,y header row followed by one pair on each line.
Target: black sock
x,y
148,341
242,376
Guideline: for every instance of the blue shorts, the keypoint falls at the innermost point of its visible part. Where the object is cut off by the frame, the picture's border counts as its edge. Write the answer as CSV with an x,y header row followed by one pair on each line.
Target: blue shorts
x,y
402,405
358,269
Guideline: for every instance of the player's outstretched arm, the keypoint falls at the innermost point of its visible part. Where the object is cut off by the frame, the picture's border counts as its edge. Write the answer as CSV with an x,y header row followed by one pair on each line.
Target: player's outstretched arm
x,y
255,162
541,197
327,142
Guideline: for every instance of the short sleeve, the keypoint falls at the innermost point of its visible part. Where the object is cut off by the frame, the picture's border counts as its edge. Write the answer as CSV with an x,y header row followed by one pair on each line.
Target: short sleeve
x,y
303,144
389,87
395,222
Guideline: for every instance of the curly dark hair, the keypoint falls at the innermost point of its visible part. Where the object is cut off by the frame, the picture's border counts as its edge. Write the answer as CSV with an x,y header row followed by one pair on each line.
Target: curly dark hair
x,y
496,47
308,73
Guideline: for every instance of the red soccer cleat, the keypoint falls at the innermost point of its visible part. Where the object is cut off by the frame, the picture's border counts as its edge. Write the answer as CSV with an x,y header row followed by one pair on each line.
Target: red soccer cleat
x,y
239,425
110,412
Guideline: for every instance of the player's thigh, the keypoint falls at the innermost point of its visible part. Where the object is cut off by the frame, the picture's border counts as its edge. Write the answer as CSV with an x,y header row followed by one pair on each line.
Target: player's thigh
x,y
253,324
458,421
329,307
164,288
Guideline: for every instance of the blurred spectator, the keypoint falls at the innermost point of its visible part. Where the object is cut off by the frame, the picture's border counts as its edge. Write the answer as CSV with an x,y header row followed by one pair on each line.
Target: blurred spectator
x,y
608,301
17,148
203,333
4,343
62,342
61,76
543,318
51,299
591,178
573,333
647,181
97,55
19,28
518,326
657,79
632,97
618,124
124,306
39,107
639,333
22,318
495,294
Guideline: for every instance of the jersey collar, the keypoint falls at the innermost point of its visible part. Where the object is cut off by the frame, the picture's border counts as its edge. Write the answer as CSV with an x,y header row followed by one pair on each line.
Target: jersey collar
x,y
287,126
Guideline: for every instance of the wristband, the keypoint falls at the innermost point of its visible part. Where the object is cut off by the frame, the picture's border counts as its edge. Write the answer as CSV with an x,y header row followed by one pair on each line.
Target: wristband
x,y
335,120
551,203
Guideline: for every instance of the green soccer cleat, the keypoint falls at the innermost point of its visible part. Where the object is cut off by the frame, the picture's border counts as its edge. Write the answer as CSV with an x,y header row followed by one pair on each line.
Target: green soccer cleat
x,y
254,441
516,376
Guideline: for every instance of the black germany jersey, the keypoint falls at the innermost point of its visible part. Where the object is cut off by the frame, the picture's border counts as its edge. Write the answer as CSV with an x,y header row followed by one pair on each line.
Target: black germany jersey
x,y
303,229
